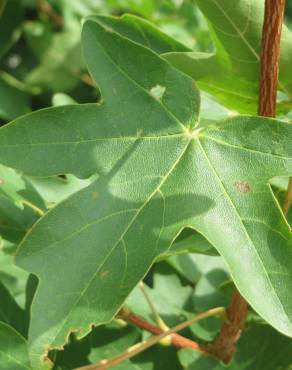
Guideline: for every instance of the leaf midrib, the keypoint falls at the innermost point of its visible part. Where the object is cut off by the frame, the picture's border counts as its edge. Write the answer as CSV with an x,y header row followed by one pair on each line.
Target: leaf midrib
x,y
156,190
242,148
124,73
85,141
226,91
213,169
237,30
13,359
78,231
56,243
245,41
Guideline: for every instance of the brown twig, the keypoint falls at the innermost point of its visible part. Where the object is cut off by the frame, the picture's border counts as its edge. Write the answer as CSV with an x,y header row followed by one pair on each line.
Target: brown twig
x,y
176,339
84,77
140,347
288,198
46,8
270,57
2,6
225,344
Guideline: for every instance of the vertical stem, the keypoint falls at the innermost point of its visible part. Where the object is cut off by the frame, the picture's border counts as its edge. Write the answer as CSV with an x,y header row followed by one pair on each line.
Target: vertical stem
x,y
288,198
2,6
46,8
270,69
225,344
270,57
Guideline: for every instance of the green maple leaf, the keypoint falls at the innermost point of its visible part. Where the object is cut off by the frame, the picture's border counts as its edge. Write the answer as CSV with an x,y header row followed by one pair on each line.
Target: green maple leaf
x,y
158,173
231,72
13,349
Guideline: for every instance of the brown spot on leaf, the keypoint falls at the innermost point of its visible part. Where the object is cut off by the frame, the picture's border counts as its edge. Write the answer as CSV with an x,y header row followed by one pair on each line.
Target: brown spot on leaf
x,y
242,186
94,194
2,182
47,360
104,274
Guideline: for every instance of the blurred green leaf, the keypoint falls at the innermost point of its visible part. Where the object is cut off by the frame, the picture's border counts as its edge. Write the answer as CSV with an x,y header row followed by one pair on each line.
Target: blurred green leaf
x,y
13,349
39,37
10,312
213,289
13,102
55,189
110,341
260,347
231,72
11,18
170,298
13,278
190,241
19,205
61,63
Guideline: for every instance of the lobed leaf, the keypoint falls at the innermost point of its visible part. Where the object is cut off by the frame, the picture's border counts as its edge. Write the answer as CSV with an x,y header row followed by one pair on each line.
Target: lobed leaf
x,y
237,32
159,172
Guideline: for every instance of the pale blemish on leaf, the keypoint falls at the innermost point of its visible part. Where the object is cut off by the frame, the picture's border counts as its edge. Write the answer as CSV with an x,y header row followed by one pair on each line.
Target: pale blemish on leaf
x,y
157,92
104,274
46,360
242,186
